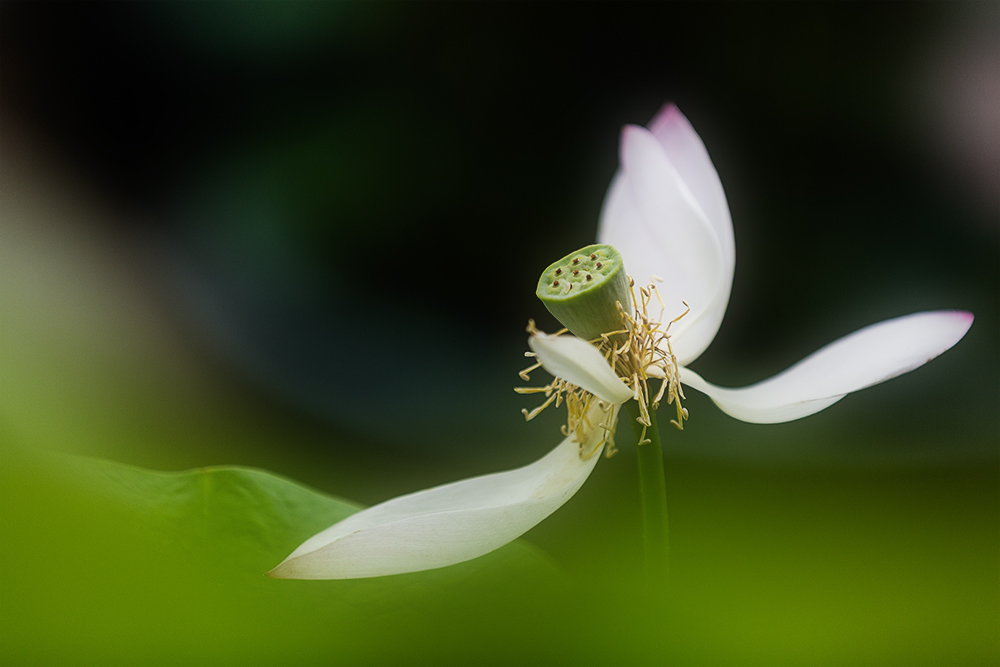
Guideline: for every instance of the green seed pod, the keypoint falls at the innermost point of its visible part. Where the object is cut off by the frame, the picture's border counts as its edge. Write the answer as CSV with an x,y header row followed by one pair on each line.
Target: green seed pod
x,y
583,288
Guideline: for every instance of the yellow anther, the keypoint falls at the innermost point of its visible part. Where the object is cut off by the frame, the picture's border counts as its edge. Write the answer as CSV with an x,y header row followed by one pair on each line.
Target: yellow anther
x,y
524,374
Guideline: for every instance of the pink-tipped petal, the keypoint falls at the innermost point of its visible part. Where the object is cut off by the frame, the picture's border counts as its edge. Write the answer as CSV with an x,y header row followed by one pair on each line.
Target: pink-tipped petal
x,y
687,152
654,220
866,357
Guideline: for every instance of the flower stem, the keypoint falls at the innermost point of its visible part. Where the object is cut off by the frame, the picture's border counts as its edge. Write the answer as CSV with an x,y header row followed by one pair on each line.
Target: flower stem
x,y
653,489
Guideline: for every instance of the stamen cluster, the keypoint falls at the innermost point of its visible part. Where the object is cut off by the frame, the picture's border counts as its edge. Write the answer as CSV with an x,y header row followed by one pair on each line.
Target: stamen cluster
x,y
641,350
637,352
578,402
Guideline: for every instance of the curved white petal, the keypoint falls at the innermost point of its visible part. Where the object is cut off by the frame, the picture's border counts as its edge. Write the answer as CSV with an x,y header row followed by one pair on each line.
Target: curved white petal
x,y
446,524
866,357
579,362
655,221
688,154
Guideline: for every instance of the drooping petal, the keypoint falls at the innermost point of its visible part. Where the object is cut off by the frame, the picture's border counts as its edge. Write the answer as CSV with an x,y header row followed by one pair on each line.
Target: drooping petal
x,y
447,524
653,218
866,357
579,362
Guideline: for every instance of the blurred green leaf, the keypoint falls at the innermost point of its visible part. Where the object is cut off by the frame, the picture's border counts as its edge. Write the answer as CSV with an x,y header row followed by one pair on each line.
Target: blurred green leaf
x,y
115,564
222,510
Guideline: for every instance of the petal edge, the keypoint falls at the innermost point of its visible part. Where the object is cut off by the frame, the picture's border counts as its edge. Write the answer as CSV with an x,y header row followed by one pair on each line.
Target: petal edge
x,y
871,355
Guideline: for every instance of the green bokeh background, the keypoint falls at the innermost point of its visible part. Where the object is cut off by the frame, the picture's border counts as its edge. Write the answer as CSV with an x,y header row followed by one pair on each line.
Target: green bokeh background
x,y
304,237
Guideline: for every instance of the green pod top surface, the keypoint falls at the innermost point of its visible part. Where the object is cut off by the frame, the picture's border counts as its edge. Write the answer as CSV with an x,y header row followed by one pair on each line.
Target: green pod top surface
x,y
583,288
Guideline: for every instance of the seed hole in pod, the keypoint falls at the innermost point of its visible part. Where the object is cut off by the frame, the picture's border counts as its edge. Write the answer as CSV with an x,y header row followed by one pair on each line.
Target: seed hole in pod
x,y
576,260
593,256
576,271
599,265
590,277
558,271
555,284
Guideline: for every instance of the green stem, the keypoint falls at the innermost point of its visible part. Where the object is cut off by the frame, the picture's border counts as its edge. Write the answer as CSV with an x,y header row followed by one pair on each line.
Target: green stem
x,y
653,488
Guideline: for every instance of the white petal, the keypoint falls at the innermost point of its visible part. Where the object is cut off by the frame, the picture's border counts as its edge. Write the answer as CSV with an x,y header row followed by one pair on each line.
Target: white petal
x,y
687,153
652,217
446,524
864,358
579,362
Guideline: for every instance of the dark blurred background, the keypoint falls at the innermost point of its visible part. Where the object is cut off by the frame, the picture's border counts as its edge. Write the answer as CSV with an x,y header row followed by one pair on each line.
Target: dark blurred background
x,y
305,236
343,207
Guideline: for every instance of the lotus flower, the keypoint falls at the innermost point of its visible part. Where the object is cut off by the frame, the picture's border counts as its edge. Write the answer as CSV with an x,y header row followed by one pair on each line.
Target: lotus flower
x,y
666,212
